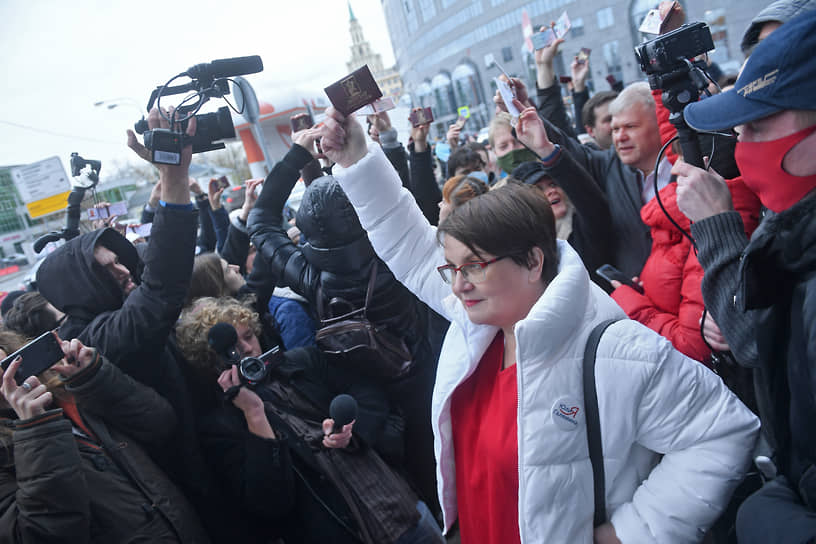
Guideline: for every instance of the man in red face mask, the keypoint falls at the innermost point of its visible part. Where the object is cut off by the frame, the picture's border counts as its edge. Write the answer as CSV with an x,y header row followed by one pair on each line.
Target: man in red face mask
x,y
762,291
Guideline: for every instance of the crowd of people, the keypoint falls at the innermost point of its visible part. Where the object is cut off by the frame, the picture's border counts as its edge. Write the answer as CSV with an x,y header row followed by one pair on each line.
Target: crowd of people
x,y
407,359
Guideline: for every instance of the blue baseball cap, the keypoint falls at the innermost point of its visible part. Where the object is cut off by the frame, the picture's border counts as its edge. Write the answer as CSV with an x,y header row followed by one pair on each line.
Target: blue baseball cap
x,y
779,75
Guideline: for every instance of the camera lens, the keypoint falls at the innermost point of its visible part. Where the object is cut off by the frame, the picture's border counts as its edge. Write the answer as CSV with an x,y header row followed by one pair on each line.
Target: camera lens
x,y
252,369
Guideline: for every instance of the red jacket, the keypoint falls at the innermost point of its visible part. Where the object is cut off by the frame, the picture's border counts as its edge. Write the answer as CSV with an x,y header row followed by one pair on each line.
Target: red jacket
x,y
672,303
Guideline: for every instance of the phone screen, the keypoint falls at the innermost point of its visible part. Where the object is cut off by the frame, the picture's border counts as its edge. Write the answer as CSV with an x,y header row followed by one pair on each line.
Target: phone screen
x,y
38,355
223,182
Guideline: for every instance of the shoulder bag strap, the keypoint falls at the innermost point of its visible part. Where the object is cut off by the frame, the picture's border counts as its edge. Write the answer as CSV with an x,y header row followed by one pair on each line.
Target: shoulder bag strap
x,y
593,421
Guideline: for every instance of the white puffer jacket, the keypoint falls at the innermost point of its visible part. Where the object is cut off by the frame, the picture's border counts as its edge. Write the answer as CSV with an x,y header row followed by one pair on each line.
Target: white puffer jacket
x,y
652,399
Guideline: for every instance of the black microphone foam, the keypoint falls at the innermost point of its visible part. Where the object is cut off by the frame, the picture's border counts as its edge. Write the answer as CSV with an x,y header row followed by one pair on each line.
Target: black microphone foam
x,y
343,410
222,338
237,66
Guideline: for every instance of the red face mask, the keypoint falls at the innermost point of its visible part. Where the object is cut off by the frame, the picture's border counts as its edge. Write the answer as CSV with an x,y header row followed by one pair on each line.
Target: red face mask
x,y
761,166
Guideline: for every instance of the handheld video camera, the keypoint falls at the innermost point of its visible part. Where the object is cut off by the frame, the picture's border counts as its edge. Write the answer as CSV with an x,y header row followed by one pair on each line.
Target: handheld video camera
x,y
208,80
85,175
223,339
666,60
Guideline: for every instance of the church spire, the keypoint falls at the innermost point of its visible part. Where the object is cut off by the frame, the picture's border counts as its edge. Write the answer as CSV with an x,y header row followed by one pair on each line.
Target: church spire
x,y
351,13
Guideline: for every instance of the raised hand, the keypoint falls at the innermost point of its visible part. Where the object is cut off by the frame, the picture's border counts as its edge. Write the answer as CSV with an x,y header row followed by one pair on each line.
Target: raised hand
x,y
77,358
342,138
29,399
531,132
214,192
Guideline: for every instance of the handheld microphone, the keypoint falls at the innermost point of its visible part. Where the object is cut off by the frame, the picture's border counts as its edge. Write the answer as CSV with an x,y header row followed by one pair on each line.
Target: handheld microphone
x,y
343,410
222,338
237,66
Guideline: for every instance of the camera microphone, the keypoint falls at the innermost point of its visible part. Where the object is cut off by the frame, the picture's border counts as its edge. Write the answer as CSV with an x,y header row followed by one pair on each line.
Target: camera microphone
x,y
237,66
222,338
343,410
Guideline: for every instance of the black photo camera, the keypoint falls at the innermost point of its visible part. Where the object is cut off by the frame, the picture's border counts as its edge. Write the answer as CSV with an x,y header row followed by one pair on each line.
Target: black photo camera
x,y
208,80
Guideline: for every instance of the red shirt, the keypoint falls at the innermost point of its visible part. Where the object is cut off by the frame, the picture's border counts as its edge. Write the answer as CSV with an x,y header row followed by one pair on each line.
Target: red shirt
x,y
485,439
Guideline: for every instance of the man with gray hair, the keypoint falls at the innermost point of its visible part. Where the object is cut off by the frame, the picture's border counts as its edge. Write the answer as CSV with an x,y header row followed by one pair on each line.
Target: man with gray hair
x,y
625,172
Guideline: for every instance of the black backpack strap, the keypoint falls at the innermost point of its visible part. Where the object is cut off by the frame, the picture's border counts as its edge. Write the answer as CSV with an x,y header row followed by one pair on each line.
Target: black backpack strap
x,y
321,309
593,421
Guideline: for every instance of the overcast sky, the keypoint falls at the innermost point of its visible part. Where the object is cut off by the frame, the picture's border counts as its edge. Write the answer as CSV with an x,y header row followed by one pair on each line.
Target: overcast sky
x,y
59,57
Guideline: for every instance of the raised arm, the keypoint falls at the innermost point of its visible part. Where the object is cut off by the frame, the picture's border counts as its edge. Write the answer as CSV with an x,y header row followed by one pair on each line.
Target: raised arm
x,y
265,224
423,181
398,231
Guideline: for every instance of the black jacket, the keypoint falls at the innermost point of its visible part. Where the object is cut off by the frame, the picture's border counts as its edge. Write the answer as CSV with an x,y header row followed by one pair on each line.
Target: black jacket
x,y
592,235
631,241
56,486
423,183
134,333
337,259
778,283
275,480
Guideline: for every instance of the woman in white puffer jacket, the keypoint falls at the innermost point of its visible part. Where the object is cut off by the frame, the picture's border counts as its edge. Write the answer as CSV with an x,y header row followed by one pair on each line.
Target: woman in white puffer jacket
x,y
508,411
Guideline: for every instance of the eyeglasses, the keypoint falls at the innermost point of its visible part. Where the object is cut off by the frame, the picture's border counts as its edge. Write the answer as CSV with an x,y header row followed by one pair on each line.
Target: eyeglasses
x,y
471,272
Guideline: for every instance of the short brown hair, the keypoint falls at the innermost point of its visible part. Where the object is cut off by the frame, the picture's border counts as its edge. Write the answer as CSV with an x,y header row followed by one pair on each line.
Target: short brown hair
x,y
511,221
207,279
597,99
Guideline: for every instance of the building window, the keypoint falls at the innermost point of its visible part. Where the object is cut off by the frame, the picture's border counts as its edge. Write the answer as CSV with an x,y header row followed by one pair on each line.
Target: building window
x,y
605,18
496,2
507,54
410,16
428,9
611,54
577,28
447,3
443,95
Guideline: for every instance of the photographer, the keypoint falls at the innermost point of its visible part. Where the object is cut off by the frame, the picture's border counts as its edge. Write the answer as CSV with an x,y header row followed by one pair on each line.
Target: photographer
x,y
127,307
276,452
73,467
760,291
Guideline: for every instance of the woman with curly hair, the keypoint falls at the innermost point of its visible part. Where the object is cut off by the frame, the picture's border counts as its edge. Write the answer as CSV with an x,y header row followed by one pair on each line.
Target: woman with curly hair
x,y
279,456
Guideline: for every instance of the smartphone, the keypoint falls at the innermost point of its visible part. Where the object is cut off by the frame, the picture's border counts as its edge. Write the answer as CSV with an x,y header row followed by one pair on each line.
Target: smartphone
x,y
223,182
609,273
38,355
301,121
583,55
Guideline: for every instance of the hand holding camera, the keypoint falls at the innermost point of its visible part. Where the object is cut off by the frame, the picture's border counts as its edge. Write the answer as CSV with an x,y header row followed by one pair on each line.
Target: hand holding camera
x,y
306,139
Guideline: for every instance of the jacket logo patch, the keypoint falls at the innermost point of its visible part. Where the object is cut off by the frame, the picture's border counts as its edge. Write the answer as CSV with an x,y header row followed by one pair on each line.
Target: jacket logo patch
x,y
567,413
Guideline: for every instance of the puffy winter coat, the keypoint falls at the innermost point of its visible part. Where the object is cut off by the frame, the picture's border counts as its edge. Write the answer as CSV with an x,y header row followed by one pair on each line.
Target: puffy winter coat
x,y
672,302
337,259
652,400
59,486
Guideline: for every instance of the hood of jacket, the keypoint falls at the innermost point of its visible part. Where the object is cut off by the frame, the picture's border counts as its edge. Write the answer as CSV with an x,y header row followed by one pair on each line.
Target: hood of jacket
x,y
72,280
326,217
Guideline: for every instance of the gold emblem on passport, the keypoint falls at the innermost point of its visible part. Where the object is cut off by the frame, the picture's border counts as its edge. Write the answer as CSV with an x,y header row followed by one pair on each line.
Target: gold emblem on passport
x,y
354,91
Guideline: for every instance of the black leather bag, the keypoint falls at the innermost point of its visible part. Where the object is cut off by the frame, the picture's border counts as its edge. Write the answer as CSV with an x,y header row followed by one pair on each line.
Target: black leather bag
x,y
369,348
